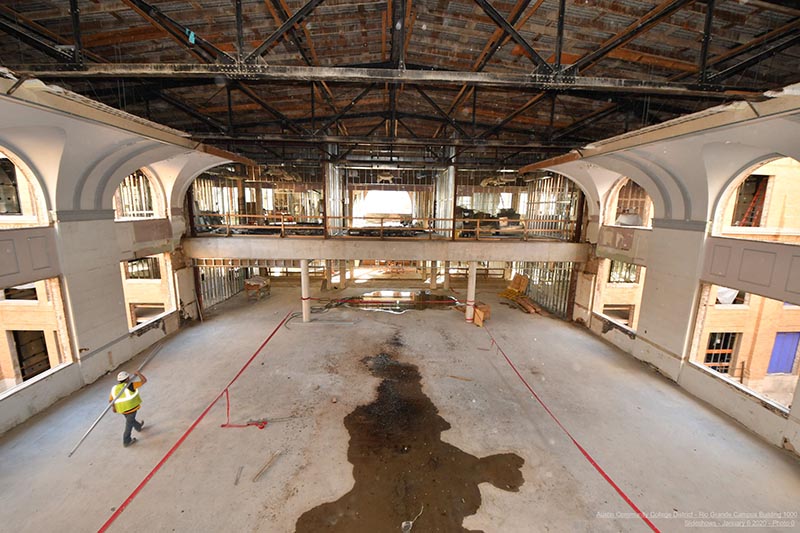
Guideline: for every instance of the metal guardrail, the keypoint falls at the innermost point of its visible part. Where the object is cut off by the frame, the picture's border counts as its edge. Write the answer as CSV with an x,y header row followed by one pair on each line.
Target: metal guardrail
x,y
384,227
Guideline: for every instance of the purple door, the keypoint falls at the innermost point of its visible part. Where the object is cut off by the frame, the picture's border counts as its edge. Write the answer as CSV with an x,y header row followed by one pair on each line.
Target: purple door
x,y
783,353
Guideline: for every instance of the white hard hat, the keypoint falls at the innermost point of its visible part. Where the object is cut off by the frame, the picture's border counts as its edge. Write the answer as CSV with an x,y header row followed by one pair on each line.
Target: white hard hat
x,y
123,376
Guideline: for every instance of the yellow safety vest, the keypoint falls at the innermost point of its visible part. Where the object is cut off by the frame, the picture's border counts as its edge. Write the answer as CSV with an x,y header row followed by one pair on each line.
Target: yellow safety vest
x,y
128,401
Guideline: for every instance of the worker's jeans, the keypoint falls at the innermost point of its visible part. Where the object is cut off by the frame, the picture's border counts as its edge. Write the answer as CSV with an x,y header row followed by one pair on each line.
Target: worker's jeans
x,y
130,423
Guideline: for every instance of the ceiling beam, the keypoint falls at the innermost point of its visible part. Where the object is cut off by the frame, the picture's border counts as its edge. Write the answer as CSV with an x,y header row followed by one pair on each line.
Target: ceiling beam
x,y
196,45
450,120
286,121
345,109
189,110
33,39
501,21
281,13
644,23
383,141
75,16
757,58
495,42
397,53
707,27
298,16
789,28
517,82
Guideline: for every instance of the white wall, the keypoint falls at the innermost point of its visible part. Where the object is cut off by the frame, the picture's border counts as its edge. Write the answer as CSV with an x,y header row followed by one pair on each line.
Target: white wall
x,y
677,262
89,255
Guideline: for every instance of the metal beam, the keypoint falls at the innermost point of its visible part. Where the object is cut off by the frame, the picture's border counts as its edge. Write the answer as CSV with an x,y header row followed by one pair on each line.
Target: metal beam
x,y
790,28
559,36
450,120
281,13
383,141
286,121
345,109
497,40
239,31
646,22
393,111
497,127
708,26
298,16
500,20
517,82
189,110
198,46
757,58
75,15
397,56
35,40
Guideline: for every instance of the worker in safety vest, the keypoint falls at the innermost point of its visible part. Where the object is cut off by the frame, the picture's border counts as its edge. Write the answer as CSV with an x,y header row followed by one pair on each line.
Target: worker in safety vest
x,y
128,403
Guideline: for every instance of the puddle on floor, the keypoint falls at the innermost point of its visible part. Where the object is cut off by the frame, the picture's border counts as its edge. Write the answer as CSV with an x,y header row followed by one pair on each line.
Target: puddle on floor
x,y
401,465
400,301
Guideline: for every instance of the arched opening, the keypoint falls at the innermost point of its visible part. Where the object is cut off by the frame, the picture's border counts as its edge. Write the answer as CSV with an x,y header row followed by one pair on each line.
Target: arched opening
x,y
762,204
743,337
629,205
22,202
137,198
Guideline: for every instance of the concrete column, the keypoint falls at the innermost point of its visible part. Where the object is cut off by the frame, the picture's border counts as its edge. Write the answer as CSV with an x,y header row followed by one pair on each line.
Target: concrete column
x,y
507,270
473,268
329,273
447,275
343,273
304,282
353,270
434,274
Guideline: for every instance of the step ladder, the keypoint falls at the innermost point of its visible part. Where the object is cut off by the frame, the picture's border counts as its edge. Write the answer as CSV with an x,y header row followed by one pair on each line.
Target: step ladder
x,y
752,216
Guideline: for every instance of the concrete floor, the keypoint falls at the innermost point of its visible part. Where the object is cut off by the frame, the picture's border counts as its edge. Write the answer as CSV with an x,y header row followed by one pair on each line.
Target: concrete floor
x,y
668,452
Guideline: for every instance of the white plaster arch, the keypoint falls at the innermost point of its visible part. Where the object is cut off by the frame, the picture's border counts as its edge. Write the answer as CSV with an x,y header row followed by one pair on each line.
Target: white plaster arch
x,y
624,167
37,151
40,198
727,163
108,182
674,188
609,198
732,184
578,173
191,168
100,164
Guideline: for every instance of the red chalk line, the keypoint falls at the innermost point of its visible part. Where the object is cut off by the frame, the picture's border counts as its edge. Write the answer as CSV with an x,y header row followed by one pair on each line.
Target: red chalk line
x,y
183,437
575,442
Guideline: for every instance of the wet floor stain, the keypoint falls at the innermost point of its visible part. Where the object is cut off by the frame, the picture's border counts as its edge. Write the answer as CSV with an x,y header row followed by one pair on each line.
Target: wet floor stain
x,y
403,468
400,301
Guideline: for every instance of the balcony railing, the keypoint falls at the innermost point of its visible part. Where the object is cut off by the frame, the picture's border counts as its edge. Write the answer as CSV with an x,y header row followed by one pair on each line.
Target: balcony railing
x,y
385,227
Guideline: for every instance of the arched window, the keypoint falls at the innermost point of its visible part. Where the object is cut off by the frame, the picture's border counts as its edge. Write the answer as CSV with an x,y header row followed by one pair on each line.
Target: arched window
x,y
22,201
135,198
629,205
763,204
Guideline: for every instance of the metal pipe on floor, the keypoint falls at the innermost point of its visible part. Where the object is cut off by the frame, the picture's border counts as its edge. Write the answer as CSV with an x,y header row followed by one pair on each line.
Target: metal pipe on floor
x,y
470,312
304,282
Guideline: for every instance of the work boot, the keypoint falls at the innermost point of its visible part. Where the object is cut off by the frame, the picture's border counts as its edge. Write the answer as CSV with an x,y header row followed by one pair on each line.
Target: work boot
x,y
133,441
141,426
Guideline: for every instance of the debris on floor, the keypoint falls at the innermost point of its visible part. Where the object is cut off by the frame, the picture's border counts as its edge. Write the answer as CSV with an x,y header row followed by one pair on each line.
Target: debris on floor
x,y
516,293
266,465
